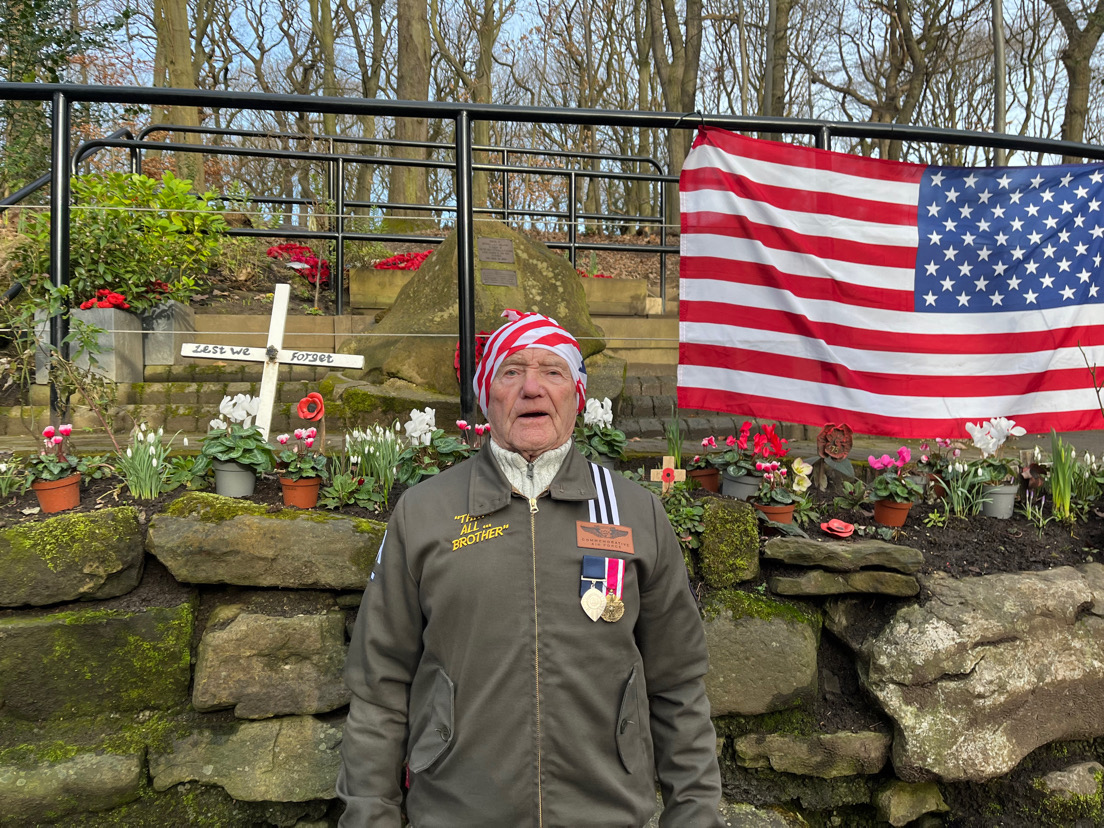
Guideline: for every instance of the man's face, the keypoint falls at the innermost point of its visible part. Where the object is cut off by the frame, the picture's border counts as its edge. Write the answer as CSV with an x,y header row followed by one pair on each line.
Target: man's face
x,y
532,403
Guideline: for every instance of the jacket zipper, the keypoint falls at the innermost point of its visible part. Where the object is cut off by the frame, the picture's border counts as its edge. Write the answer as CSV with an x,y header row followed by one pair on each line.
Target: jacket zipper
x,y
536,650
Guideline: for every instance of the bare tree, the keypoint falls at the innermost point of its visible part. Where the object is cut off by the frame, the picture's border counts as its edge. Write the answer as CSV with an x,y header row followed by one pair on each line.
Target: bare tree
x,y
677,54
408,184
1077,55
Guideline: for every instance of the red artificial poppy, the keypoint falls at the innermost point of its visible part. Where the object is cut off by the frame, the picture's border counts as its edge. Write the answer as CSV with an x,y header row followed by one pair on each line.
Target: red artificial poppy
x,y
668,475
311,407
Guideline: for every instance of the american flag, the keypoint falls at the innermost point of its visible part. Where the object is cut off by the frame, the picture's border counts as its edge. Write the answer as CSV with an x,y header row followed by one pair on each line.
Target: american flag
x,y
902,299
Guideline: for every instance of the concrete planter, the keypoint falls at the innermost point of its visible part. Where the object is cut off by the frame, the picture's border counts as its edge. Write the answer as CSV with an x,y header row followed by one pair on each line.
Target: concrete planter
x,y
120,357
165,328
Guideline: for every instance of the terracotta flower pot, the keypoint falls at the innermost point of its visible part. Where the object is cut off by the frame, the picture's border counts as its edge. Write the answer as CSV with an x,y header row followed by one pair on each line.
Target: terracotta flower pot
x,y
779,514
303,494
58,495
889,512
708,479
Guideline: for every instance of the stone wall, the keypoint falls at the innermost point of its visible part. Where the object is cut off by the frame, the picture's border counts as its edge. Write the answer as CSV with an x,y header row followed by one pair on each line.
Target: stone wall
x,y
188,671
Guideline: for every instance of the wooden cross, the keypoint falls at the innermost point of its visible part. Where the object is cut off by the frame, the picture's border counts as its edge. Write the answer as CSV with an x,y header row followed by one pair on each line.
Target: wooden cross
x,y
668,475
273,355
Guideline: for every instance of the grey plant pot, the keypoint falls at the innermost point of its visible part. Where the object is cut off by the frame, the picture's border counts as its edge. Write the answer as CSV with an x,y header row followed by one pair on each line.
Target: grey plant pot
x,y
1000,501
233,479
741,488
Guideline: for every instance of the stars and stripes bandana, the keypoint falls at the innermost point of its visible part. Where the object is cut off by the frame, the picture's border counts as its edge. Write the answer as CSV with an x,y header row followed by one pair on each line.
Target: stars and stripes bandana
x,y
528,330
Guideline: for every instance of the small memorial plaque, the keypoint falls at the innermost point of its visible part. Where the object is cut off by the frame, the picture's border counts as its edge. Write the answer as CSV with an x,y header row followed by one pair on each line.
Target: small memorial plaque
x,y
495,250
498,278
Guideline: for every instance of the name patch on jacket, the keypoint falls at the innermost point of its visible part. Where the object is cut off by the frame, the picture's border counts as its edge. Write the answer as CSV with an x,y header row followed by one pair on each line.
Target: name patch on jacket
x,y
608,537
473,531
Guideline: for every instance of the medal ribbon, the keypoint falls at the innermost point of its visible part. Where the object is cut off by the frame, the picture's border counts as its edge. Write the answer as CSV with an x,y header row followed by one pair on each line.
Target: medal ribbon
x,y
594,574
615,574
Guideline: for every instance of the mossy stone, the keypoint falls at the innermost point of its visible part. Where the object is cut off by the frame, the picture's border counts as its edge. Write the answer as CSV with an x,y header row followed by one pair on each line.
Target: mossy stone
x,y
82,555
81,662
730,542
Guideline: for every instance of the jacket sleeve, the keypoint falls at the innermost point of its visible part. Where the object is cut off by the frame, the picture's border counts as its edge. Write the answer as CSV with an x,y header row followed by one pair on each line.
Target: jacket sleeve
x,y
672,643
383,656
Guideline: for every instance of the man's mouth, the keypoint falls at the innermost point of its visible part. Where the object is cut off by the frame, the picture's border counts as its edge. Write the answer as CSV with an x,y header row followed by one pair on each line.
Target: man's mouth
x,y
532,414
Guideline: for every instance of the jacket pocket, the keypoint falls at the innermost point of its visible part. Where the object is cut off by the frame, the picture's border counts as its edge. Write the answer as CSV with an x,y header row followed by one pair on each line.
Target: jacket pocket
x,y
630,727
431,720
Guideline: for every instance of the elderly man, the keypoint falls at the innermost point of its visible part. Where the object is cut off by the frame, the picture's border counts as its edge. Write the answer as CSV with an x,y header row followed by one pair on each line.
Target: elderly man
x,y
528,645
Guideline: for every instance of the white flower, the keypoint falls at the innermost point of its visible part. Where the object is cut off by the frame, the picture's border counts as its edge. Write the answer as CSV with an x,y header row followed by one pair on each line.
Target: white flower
x,y
240,408
185,442
420,426
211,426
150,437
129,452
598,413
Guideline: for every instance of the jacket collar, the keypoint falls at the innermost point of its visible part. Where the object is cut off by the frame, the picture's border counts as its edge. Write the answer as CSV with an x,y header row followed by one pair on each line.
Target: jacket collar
x,y
489,490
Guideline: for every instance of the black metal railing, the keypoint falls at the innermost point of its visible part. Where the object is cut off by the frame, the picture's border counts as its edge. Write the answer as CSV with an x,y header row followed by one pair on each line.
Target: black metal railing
x,y
62,96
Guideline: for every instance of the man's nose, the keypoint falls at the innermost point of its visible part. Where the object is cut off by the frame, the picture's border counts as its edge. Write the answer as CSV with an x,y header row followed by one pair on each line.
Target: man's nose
x,y
532,387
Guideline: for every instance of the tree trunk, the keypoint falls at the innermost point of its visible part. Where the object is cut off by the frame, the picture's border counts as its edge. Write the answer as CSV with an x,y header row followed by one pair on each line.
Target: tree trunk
x,y
408,184
175,46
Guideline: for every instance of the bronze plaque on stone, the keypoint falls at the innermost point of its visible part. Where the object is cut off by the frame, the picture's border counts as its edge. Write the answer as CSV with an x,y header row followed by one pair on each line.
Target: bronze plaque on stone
x,y
498,278
495,250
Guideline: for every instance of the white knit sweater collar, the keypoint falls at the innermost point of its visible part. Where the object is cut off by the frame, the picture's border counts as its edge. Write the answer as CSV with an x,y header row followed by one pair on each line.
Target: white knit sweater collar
x,y
530,479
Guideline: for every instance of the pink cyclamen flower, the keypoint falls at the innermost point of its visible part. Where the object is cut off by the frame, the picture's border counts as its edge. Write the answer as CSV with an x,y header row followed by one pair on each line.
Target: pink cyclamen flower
x,y
282,439
311,433
730,441
923,458
462,425
905,455
709,442
59,440
697,458
65,429
310,442
923,446
300,434
485,428
48,432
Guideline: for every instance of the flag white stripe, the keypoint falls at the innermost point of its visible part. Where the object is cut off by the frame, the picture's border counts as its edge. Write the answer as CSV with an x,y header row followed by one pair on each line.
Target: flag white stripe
x,y
816,225
772,343
797,264
821,310
885,405
807,179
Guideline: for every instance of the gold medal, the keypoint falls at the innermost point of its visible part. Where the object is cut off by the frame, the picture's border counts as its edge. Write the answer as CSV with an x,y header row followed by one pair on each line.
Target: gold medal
x,y
614,608
594,603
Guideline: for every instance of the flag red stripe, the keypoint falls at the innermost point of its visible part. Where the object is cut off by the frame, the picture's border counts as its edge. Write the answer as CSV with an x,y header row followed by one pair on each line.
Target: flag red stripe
x,y
885,383
778,238
805,287
797,200
845,336
793,155
767,408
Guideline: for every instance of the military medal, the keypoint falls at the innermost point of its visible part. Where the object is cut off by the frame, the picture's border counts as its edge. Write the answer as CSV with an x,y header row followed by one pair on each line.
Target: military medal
x,y
615,574
594,603
613,609
600,590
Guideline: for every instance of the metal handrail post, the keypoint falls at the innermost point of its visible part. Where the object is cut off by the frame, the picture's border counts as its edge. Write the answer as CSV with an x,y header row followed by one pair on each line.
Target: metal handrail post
x,y
59,227
572,235
339,254
663,243
465,260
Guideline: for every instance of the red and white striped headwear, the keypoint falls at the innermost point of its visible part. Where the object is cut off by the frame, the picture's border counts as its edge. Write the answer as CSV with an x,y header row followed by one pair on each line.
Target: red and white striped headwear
x,y
528,330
